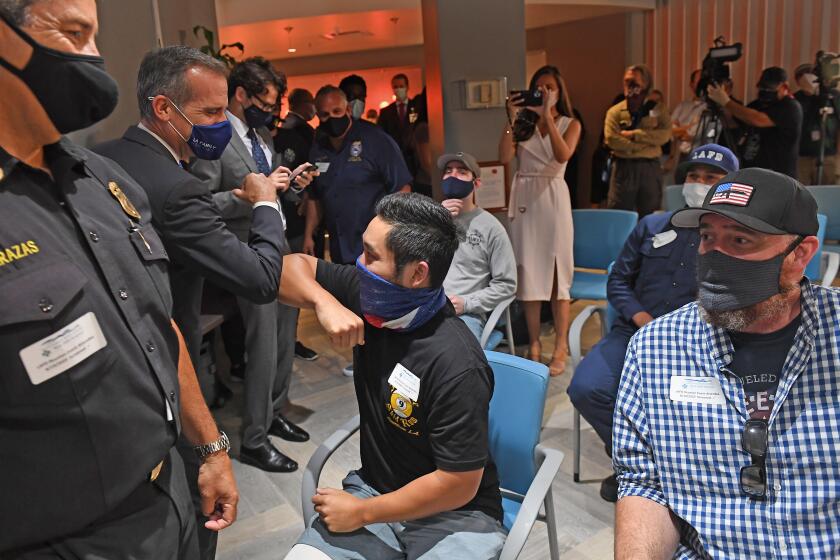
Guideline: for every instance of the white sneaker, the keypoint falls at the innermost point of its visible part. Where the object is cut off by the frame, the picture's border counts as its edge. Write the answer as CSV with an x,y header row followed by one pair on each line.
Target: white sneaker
x,y
348,371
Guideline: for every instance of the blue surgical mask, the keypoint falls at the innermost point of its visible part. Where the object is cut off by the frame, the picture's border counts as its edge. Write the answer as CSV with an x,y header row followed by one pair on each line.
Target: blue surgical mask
x,y
357,108
453,187
207,141
386,305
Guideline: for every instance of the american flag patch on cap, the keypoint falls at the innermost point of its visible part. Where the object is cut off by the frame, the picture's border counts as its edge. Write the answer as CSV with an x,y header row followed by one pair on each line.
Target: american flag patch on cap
x,y
732,193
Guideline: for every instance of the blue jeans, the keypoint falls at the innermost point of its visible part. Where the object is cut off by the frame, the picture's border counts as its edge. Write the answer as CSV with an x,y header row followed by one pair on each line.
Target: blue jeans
x,y
475,324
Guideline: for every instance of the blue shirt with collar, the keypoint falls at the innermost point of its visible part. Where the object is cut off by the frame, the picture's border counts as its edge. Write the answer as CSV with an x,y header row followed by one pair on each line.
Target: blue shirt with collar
x,y
685,453
655,271
366,167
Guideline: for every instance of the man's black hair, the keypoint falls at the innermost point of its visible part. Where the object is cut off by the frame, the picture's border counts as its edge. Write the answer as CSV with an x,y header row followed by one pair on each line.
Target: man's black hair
x,y
422,230
254,76
347,84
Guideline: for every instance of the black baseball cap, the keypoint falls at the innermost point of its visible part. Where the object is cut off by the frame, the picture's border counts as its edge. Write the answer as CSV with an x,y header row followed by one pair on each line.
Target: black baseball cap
x,y
772,77
759,199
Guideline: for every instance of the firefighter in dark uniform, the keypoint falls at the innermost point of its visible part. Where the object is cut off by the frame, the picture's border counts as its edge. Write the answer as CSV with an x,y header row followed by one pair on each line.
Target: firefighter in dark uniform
x,y
96,383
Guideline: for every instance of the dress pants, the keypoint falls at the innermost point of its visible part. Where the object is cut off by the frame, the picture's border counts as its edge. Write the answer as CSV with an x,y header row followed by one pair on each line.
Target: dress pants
x,y
635,184
270,331
594,386
155,522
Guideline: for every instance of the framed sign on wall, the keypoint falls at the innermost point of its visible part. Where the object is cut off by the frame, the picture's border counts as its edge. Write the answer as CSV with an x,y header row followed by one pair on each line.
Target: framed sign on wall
x,y
494,193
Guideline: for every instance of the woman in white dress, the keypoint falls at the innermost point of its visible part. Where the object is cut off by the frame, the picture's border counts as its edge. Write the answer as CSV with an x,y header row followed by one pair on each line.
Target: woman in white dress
x,y
540,210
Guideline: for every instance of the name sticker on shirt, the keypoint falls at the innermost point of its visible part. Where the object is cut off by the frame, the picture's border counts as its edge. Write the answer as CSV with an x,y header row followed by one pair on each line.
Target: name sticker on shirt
x,y
406,383
323,166
63,349
662,239
699,390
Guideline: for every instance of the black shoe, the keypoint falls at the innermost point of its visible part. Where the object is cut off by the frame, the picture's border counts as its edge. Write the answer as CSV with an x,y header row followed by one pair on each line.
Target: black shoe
x,y
305,353
237,372
282,428
223,395
266,457
609,489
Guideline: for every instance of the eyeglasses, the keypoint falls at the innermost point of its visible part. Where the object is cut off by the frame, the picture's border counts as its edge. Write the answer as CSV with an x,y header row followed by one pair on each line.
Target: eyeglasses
x,y
265,106
754,442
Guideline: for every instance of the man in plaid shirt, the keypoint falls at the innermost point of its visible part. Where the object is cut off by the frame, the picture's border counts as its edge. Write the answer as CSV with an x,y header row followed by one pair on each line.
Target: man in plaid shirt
x,y
727,424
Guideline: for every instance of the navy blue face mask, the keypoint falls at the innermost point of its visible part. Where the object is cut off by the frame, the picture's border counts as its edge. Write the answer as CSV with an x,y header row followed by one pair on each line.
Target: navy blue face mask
x,y
386,305
207,141
453,187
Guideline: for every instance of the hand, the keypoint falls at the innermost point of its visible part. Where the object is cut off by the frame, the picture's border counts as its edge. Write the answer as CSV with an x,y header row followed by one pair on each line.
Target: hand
x,y
549,101
280,179
458,304
627,134
669,164
514,106
454,206
341,512
717,94
256,188
308,246
305,178
642,318
219,495
345,328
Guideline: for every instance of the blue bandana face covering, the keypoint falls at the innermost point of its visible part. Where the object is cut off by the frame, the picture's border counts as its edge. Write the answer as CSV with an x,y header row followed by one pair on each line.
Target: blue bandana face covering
x,y
453,187
207,141
388,306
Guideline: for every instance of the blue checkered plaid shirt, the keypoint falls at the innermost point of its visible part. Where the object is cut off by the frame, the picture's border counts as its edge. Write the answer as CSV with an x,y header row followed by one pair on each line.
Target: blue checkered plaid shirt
x,y
687,456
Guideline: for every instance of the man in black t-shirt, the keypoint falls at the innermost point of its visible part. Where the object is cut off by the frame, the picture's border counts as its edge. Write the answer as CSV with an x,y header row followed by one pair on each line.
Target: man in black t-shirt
x,y
773,121
423,386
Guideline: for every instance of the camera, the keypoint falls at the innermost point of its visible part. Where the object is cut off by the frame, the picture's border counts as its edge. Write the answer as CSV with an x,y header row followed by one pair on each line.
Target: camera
x,y
827,70
715,69
528,98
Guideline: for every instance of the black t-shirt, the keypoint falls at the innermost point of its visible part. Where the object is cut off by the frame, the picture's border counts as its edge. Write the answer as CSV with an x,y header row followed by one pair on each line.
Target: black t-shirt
x,y
809,145
446,425
758,362
775,147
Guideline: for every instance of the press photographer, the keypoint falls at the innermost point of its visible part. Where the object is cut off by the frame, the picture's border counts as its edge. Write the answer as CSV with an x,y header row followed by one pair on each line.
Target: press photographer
x,y
820,122
773,121
635,130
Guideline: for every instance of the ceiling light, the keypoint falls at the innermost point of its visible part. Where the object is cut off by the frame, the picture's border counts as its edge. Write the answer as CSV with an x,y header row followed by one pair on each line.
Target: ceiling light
x,y
290,48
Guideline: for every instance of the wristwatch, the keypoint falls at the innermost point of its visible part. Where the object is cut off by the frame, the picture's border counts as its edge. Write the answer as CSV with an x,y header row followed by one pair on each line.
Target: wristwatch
x,y
221,444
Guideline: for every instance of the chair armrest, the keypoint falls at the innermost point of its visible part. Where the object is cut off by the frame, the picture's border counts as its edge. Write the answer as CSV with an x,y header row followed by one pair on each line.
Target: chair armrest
x,y
550,461
316,464
492,320
832,263
577,328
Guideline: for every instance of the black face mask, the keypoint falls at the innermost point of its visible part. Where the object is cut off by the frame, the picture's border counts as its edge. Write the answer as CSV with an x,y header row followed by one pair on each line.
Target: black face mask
x,y
257,118
727,283
74,89
335,126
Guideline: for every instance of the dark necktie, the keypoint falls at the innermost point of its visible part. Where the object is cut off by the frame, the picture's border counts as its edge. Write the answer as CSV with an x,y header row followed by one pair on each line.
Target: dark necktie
x,y
258,153
401,111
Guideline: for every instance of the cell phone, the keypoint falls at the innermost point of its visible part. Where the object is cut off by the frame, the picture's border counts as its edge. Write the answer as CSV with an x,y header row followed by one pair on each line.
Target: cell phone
x,y
308,169
528,98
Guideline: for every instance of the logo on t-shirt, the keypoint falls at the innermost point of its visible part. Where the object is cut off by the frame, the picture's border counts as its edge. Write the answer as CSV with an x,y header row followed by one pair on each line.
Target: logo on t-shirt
x,y
401,412
355,151
289,155
474,238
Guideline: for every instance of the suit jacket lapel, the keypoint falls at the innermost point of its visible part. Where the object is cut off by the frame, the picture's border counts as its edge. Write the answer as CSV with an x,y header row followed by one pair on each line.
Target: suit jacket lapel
x,y
240,148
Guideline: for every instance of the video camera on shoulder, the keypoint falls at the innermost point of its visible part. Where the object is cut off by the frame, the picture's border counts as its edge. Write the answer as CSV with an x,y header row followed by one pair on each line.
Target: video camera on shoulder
x,y
528,98
827,70
715,69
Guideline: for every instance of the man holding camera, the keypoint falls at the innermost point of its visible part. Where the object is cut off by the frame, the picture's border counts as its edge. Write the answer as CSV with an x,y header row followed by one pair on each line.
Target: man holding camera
x,y
774,122
635,130
812,103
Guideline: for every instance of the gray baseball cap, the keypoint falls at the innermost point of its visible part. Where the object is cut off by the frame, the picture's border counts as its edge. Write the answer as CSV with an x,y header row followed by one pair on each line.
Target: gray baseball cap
x,y
463,157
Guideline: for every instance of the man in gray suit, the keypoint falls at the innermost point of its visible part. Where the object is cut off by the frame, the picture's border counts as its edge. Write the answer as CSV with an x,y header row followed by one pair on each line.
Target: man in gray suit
x,y
254,93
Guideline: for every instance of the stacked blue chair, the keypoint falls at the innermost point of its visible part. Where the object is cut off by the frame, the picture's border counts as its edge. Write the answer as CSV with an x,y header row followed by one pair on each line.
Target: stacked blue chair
x,y
599,237
672,198
828,203
822,268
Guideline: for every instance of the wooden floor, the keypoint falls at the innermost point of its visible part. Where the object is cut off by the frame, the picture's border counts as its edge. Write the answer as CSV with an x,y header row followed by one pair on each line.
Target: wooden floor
x,y
269,509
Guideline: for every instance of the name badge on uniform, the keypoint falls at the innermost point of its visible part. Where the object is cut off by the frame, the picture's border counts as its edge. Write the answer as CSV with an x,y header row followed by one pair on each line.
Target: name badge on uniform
x,y
698,390
63,349
406,383
323,166
661,239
